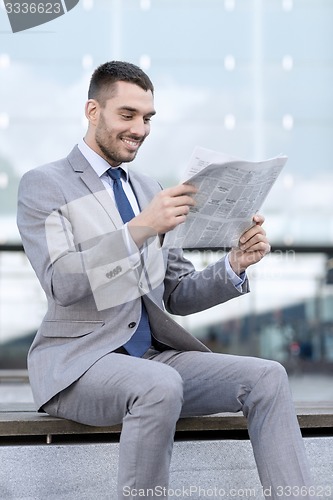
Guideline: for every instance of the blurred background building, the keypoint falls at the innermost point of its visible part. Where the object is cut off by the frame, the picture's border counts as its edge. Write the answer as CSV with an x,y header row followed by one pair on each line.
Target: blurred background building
x,y
251,78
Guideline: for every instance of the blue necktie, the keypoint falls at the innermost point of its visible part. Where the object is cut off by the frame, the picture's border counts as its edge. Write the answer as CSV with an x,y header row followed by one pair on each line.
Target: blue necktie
x,y
140,342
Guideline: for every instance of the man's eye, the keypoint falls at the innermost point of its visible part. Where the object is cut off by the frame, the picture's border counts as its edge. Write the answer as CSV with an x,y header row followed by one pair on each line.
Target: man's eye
x,y
127,117
147,120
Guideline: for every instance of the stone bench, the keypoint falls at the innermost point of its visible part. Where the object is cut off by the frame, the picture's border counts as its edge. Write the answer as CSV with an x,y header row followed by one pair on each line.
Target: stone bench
x,y
48,458
20,420
15,376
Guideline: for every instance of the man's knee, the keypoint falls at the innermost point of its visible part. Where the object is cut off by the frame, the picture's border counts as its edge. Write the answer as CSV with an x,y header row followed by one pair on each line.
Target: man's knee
x,y
272,384
276,372
273,381
163,391
169,390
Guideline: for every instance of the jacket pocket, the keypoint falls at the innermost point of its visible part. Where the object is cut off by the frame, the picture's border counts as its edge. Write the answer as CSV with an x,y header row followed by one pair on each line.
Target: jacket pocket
x,y
61,328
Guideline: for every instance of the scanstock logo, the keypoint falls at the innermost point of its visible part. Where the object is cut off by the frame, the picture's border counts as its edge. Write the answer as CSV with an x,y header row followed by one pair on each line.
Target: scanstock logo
x,y
23,14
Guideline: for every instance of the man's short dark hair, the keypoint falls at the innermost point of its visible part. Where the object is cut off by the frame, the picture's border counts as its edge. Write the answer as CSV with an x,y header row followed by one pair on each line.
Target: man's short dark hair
x,y
109,73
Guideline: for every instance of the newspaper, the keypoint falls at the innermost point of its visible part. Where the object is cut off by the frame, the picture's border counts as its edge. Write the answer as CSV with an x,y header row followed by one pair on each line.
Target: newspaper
x,y
230,193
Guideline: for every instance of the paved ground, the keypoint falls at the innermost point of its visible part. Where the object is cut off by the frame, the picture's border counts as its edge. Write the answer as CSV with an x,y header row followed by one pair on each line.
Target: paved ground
x,y
304,388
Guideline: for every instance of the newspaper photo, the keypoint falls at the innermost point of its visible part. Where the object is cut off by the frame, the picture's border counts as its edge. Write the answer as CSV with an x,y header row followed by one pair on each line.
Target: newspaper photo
x,y
230,193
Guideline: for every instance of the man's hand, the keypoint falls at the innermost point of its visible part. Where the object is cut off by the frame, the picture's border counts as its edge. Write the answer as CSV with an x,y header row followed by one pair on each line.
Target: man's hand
x,y
167,210
253,246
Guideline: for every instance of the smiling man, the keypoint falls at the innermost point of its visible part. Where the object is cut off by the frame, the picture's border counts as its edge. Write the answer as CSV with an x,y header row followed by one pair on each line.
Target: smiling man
x,y
107,352
118,125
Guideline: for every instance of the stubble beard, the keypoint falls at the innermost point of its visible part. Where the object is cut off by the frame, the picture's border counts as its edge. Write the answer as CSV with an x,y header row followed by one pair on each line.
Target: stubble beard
x,y
111,155
109,151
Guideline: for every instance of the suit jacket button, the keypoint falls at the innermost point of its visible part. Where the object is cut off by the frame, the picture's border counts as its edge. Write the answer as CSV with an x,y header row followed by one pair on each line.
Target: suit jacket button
x,y
132,324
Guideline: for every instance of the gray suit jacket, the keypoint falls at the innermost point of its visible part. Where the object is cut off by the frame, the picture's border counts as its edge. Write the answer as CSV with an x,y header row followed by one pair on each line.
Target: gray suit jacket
x,y
73,236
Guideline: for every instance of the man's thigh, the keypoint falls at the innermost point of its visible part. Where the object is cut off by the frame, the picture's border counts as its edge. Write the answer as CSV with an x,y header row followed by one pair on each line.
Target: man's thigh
x,y
214,382
106,392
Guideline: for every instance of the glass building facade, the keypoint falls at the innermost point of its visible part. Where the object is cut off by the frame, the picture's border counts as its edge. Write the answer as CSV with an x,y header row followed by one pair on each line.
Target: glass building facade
x,y
251,78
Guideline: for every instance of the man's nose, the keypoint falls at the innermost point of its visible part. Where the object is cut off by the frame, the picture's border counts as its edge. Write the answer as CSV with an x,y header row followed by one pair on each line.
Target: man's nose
x,y
139,127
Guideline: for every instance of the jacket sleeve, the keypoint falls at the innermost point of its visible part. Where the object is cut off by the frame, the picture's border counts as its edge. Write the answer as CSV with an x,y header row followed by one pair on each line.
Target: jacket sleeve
x,y
188,291
70,257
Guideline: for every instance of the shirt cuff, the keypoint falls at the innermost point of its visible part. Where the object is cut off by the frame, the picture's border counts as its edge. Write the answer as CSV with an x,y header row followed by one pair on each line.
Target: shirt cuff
x,y
236,280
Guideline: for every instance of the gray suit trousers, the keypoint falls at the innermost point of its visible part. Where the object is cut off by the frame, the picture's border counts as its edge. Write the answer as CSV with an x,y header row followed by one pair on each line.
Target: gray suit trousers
x,y
148,395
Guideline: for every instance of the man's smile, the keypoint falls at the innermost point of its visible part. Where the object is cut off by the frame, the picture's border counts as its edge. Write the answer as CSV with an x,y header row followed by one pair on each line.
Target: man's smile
x,y
131,143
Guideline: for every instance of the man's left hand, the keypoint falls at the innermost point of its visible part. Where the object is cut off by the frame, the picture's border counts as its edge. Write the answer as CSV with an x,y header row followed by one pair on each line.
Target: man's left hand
x,y
253,246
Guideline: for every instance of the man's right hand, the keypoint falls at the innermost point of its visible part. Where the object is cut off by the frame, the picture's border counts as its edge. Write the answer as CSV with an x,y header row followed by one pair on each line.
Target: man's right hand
x,y
167,210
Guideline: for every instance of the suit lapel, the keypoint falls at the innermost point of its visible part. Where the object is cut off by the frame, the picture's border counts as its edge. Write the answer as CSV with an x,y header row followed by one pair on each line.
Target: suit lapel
x,y
88,175
141,189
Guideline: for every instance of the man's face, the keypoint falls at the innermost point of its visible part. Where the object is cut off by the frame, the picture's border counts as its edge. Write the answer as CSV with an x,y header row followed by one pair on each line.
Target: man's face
x,y
124,123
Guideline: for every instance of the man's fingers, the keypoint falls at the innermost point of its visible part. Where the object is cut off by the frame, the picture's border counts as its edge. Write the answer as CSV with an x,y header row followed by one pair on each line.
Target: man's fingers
x,y
177,196
259,219
258,246
251,239
168,209
180,190
254,231
183,201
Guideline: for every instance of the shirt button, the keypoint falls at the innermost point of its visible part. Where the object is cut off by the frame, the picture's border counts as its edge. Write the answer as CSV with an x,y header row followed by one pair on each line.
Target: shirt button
x,y
132,324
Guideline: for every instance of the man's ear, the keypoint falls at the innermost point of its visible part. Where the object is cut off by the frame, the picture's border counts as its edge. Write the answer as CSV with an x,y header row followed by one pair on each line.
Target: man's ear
x,y
92,111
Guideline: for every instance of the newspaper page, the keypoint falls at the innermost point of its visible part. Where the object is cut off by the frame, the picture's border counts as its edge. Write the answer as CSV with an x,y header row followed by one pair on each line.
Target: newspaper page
x,y
230,193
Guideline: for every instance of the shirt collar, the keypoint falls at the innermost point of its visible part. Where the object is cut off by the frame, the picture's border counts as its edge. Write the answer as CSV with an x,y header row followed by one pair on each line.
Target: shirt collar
x,y
96,161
